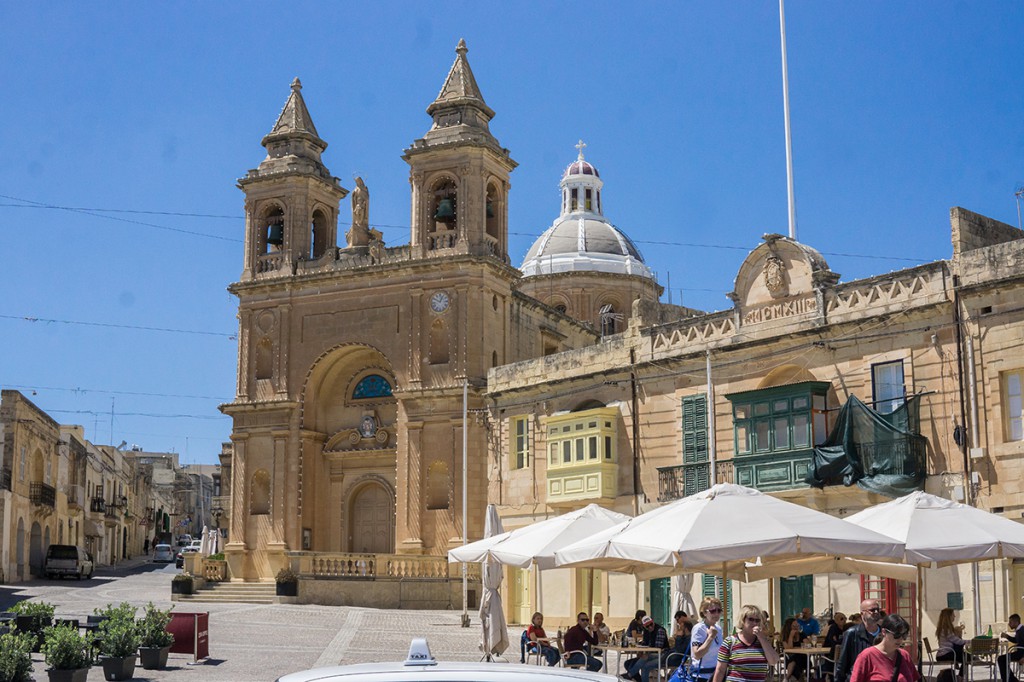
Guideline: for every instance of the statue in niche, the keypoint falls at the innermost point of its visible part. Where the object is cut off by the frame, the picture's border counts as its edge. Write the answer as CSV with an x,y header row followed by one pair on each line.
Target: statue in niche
x,y
359,233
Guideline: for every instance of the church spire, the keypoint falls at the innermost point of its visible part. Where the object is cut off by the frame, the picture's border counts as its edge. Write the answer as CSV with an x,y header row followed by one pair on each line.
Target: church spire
x,y
460,86
295,124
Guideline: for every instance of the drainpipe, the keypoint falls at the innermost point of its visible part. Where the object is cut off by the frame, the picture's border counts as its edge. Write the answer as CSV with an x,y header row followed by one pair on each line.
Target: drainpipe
x,y
712,460
968,492
634,408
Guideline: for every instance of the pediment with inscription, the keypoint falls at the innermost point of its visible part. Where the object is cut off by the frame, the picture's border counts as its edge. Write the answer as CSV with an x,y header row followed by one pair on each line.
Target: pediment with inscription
x,y
779,279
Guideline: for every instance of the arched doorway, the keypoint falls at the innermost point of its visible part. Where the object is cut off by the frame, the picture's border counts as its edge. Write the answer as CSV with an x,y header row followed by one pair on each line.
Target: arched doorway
x,y
20,550
35,549
372,527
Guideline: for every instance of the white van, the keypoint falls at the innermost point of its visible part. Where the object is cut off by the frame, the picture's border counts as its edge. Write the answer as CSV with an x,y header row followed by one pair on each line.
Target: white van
x,y
62,560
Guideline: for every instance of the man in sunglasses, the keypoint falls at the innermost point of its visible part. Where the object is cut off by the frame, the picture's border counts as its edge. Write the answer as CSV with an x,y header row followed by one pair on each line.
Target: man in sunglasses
x,y
858,638
578,641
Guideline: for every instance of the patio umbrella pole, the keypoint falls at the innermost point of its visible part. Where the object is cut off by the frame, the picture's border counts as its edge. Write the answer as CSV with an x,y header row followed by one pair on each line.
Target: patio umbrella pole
x,y
920,618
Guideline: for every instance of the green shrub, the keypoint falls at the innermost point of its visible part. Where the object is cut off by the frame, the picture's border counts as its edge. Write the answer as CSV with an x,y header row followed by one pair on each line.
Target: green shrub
x,y
38,609
219,556
16,656
119,634
65,649
153,628
285,575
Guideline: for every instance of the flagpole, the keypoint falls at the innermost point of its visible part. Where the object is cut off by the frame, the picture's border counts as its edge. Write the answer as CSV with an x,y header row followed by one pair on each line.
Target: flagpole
x,y
789,138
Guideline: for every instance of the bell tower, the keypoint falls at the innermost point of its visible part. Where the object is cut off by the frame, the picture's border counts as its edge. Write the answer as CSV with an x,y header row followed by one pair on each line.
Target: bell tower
x,y
291,198
459,173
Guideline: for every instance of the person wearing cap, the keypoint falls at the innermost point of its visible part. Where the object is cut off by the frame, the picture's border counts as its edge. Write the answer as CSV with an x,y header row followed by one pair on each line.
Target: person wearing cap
x,y
654,637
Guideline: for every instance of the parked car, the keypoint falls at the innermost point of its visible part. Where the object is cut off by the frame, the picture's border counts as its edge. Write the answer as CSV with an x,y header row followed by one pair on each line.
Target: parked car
x,y
184,540
63,560
179,558
163,554
421,666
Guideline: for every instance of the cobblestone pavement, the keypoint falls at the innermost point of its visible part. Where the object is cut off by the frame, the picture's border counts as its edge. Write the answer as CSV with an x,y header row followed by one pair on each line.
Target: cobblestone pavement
x,y
260,642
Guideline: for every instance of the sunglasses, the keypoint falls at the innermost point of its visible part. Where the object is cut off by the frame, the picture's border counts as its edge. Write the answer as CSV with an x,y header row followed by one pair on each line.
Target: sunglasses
x,y
753,620
584,620
874,609
897,637
714,610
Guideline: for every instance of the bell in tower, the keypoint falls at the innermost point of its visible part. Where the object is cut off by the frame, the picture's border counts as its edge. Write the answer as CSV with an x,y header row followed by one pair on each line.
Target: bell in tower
x,y
459,172
291,197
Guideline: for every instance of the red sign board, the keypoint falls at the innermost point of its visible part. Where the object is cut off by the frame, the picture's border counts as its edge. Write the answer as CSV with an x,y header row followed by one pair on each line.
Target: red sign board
x,y
191,634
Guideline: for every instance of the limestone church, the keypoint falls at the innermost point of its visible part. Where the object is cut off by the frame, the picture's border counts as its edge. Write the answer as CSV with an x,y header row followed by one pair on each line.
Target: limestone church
x,y
352,361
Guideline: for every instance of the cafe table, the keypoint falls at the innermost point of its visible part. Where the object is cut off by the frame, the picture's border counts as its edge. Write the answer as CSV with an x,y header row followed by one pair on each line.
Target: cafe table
x,y
812,653
629,650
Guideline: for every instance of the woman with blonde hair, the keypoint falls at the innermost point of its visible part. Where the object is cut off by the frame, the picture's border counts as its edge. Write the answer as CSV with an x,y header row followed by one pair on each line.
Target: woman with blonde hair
x,y
950,643
539,639
706,639
746,655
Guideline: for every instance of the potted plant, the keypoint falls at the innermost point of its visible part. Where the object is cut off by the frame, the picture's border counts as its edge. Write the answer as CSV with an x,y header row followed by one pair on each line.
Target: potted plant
x,y
67,653
16,656
181,584
154,640
34,617
118,641
287,583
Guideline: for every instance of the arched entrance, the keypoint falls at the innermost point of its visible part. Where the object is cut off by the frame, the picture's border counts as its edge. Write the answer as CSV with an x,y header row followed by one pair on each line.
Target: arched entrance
x,y
372,527
35,549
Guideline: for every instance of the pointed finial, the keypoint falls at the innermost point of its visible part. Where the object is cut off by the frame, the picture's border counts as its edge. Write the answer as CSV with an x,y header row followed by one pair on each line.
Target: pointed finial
x,y
462,49
579,146
296,84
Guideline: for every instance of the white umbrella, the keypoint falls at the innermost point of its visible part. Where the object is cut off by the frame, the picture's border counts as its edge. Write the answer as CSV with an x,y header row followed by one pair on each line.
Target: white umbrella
x,y
492,617
214,541
939,532
538,542
942,532
828,564
535,544
724,527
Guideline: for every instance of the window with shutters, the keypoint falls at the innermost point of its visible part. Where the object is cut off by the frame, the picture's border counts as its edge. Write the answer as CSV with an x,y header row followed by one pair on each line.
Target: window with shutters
x,y
696,467
712,586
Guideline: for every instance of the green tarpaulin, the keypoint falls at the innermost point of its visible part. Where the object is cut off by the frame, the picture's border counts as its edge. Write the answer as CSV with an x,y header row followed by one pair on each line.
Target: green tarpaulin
x,y
881,453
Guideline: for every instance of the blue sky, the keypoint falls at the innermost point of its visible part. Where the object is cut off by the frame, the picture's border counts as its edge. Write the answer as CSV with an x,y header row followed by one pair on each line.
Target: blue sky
x,y
899,112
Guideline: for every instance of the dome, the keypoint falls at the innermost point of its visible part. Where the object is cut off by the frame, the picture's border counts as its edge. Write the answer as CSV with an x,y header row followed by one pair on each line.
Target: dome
x,y
581,167
584,242
581,239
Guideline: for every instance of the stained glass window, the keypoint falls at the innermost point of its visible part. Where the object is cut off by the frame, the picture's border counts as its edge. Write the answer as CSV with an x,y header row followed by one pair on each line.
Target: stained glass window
x,y
372,386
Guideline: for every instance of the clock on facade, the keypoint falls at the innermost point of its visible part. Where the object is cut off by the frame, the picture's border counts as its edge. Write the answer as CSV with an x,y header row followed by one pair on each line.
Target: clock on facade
x,y
439,301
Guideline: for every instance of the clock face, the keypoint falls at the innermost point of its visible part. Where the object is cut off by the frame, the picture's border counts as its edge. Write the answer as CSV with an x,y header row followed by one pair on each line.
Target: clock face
x,y
439,302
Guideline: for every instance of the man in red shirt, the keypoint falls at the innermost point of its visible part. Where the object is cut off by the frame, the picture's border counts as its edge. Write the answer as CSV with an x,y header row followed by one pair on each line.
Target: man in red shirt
x,y
577,642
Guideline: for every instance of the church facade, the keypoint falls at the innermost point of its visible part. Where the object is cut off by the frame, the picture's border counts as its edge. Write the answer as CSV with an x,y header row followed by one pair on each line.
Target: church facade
x,y
353,360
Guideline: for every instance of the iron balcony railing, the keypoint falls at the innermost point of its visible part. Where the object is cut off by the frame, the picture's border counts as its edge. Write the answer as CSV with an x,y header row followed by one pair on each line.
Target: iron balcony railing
x,y
43,495
98,504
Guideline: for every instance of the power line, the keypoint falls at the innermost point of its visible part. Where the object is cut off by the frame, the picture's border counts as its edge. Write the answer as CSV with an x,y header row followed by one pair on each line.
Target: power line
x,y
98,212
81,391
26,318
152,415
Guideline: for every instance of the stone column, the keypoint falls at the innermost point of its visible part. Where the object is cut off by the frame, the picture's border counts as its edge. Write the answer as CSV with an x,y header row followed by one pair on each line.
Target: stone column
x,y
409,490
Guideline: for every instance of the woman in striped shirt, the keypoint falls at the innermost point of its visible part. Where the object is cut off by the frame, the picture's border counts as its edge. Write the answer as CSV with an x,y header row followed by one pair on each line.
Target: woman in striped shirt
x,y
746,655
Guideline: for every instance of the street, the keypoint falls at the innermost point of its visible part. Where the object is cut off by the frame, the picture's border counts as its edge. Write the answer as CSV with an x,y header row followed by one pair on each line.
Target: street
x,y
255,641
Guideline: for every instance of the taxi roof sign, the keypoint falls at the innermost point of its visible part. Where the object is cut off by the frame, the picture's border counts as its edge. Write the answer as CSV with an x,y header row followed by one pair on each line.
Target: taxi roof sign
x,y
419,653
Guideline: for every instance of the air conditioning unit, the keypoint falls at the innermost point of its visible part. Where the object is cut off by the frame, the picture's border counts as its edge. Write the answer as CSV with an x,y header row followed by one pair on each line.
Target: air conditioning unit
x,y
977,453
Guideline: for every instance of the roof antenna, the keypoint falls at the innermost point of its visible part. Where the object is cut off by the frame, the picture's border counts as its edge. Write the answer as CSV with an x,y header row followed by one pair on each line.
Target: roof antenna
x,y
1018,194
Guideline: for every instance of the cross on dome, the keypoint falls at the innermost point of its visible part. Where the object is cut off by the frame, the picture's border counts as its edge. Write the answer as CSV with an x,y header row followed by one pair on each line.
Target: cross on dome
x,y
579,147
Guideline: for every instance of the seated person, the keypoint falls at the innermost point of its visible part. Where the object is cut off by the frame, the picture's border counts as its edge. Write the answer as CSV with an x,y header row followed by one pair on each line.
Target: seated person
x,y
834,634
635,629
951,644
578,641
656,638
681,630
808,623
793,638
1016,652
539,640
601,629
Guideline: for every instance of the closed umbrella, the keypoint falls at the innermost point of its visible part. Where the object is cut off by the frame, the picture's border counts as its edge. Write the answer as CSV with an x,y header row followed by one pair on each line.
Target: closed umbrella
x,y
722,528
492,616
204,543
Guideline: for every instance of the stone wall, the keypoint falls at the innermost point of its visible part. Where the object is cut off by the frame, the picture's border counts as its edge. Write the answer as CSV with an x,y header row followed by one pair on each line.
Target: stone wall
x,y
388,593
973,231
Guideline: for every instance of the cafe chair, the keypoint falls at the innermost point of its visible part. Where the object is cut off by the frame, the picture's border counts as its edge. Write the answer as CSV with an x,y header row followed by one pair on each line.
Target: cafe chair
x,y
983,652
568,654
930,664
527,651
